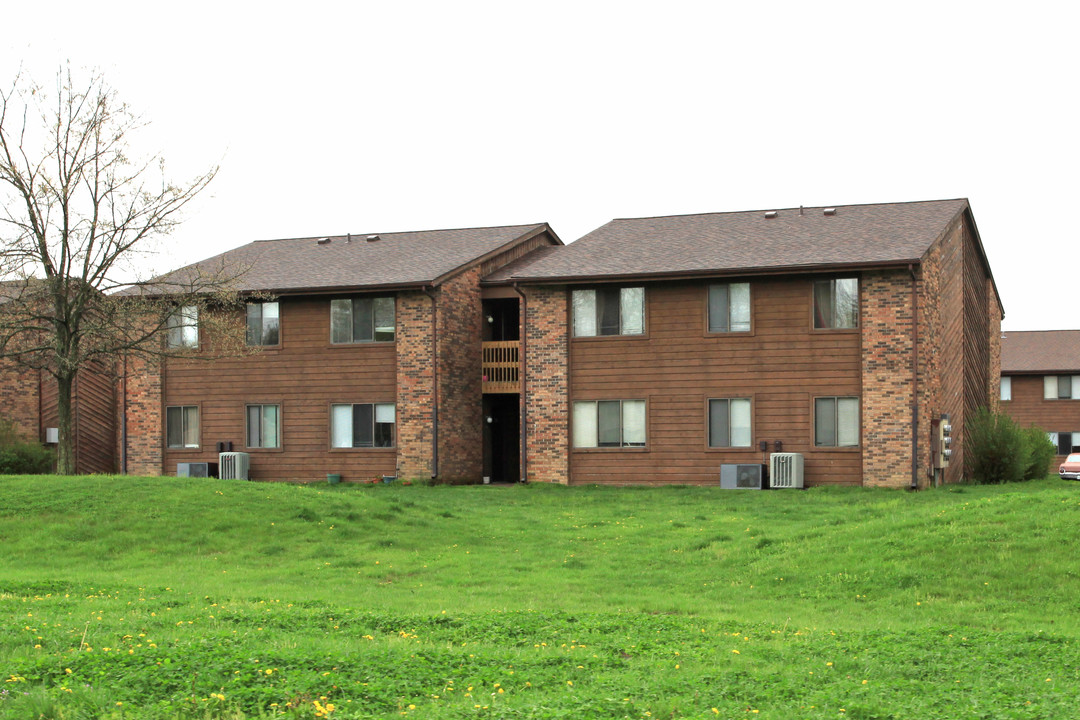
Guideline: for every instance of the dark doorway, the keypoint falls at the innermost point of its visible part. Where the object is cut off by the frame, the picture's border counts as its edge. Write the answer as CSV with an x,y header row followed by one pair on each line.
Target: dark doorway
x,y
500,319
502,438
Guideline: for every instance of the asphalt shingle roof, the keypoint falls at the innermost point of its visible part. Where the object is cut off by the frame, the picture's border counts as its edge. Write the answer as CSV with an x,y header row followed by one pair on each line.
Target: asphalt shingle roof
x,y
856,235
352,261
1040,351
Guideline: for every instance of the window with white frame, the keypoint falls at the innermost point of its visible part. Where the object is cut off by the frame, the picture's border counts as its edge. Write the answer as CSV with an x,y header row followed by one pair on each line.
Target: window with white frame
x,y
182,426
1006,388
836,303
1061,387
182,327
361,319
362,425
263,324
609,311
836,422
729,308
729,423
1064,441
609,423
263,426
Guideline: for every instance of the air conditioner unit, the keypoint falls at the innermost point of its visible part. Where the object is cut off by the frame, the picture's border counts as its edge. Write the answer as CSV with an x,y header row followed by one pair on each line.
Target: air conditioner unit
x,y
742,477
234,465
196,469
786,470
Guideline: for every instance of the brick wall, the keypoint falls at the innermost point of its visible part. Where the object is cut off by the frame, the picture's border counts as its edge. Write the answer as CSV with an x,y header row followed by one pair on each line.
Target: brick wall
x,y
415,377
887,382
546,388
139,405
20,397
460,379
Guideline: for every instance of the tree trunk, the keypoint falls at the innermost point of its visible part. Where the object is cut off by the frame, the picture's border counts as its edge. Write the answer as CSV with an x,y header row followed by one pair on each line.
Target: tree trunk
x,y
65,450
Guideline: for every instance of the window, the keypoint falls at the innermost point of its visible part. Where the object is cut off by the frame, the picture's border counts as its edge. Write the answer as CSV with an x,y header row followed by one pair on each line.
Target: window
x,y
263,324
263,426
362,319
729,308
183,328
836,422
1006,388
609,423
1061,387
729,423
836,303
367,425
609,311
1063,441
182,426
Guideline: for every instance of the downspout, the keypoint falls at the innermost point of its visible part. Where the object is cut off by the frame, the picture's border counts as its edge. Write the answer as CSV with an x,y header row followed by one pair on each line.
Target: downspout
x,y
523,398
430,292
123,420
914,379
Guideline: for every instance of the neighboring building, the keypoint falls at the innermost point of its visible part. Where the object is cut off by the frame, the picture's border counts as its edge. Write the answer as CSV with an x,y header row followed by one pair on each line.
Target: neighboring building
x,y
28,397
651,351
660,348
1040,383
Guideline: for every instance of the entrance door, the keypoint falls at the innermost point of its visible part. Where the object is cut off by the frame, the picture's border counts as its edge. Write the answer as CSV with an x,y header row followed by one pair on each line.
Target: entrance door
x,y
502,437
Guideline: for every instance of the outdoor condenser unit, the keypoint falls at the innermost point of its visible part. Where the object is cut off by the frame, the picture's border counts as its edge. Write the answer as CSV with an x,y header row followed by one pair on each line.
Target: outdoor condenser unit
x,y
741,477
234,465
196,469
786,470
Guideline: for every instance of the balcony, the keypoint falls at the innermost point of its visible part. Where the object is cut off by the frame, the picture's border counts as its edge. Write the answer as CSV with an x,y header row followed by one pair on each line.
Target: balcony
x,y
501,367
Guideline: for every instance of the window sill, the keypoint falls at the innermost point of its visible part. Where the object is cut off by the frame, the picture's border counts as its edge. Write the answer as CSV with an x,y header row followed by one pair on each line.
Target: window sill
x,y
610,449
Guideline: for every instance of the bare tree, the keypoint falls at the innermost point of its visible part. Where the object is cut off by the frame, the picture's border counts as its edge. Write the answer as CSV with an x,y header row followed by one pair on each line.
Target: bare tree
x,y
78,215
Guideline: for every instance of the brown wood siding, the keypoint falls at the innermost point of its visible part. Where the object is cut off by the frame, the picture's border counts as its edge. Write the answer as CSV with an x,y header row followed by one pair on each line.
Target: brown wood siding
x,y
976,329
93,418
1028,407
304,375
676,367
952,337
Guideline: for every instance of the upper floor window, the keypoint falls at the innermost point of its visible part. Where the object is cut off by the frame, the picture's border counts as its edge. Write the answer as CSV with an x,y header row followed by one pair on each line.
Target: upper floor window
x,y
609,423
1006,388
362,425
729,308
1061,387
362,319
836,303
182,426
263,426
263,324
182,327
729,423
836,421
609,311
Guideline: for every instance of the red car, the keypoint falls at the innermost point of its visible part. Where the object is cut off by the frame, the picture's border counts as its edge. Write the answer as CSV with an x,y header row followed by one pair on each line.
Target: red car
x,y
1070,469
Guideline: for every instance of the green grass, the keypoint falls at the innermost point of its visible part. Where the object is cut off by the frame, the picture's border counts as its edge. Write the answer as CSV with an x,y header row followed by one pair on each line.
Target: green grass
x,y
166,598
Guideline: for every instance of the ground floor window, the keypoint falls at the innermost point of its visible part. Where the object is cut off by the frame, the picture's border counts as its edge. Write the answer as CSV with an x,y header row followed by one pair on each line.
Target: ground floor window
x,y
609,423
182,426
362,425
263,426
836,421
1064,441
729,423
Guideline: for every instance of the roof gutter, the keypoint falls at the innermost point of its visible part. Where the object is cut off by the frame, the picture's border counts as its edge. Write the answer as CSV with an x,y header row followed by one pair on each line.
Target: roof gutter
x,y
430,292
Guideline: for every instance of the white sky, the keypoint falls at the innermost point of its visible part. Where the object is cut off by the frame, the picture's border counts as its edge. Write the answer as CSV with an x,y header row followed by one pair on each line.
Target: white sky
x,y
369,117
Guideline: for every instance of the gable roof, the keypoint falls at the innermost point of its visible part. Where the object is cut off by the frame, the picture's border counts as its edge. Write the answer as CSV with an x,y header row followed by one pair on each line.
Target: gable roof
x,y
794,239
343,262
1040,351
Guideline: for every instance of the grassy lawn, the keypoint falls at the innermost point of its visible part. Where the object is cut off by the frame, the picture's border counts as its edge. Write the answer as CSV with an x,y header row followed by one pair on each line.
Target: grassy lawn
x,y
166,598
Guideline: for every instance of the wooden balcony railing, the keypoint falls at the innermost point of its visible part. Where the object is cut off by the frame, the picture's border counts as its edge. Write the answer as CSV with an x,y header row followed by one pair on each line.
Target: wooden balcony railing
x,y
501,367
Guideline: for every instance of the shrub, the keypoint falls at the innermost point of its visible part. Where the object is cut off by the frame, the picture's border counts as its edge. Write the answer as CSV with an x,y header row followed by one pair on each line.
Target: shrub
x,y
19,457
997,450
1041,453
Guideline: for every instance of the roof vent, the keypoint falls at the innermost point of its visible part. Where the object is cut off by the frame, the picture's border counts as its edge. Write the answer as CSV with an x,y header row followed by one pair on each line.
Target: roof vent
x,y
373,238
830,211
770,214
324,241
